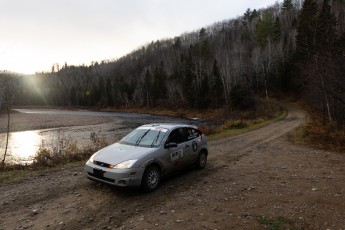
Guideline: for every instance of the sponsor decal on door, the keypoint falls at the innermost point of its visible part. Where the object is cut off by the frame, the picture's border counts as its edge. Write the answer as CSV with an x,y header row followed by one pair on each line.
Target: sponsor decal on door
x,y
176,155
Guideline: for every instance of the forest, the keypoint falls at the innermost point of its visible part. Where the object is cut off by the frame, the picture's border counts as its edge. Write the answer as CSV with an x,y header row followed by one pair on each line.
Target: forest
x,y
292,49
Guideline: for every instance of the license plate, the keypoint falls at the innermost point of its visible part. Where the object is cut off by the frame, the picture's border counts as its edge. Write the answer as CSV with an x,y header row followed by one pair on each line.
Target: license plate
x,y
98,172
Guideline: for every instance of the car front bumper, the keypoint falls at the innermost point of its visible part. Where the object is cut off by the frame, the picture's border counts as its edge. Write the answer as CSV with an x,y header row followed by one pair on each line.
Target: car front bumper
x,y
117,177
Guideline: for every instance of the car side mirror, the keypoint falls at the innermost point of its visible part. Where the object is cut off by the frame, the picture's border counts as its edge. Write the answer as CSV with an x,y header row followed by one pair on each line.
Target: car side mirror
x,y
170,145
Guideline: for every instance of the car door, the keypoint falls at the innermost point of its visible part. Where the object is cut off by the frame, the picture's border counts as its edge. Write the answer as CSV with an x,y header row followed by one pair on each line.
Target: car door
x,y
175,149
192,144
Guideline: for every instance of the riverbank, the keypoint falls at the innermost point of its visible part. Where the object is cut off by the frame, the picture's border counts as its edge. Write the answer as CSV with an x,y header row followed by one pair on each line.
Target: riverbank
x,y
30,121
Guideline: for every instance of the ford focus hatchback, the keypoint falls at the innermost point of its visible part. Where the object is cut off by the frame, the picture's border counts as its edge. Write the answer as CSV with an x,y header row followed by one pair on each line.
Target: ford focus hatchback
x,y
147,153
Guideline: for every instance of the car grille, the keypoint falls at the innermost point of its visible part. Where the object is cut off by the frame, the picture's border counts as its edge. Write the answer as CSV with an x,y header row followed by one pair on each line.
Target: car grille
x,y
101,177
102,164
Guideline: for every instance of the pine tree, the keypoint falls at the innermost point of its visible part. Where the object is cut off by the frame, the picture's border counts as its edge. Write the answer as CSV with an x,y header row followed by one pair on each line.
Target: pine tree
x,y
216,85
325,30
177,43
246,17
267,29
109,92
147,86
306,30
159,83
189,86
325,58
287,6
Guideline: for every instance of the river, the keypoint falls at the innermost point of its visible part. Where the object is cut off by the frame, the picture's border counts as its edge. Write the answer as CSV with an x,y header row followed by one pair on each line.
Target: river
x,y
24,145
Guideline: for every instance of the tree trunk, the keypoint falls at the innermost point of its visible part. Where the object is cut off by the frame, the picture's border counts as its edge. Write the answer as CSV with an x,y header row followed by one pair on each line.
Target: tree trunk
x,y
266,91
327,101
7,136
324,91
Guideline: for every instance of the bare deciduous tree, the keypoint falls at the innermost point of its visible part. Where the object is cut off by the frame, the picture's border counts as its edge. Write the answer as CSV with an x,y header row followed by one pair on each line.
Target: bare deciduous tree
x,y
8,98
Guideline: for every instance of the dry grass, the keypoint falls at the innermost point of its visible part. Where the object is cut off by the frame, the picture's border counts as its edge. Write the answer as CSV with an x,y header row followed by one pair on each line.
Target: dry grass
x,y
235,122
53,156
56,154
318,135
219,119
244,126
182,112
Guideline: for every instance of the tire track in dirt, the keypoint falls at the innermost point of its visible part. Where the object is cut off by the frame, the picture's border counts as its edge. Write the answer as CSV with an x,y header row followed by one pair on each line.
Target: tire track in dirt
x,y
240,145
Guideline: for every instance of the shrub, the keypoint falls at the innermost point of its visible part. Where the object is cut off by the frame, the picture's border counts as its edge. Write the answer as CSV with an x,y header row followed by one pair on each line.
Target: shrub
x,y
242,98
60,154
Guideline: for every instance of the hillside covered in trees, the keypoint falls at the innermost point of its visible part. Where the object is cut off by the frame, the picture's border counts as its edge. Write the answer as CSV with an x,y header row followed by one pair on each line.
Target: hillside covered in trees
x,y
294,48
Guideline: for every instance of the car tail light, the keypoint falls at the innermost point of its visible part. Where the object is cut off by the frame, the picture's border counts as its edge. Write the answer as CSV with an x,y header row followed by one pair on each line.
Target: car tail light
x,y
200,130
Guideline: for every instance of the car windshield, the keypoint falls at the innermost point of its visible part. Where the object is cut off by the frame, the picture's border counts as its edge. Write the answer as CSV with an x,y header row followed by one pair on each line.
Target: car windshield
x,y
145,137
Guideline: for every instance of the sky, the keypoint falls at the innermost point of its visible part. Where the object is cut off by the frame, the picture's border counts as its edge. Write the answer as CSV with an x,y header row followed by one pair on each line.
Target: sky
x,y
36,34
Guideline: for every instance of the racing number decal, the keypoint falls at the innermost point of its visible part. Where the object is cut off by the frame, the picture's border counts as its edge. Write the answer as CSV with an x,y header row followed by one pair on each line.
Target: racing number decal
x,y
176,155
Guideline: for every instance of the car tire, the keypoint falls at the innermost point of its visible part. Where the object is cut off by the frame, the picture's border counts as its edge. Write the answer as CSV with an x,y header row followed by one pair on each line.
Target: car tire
x,y
202,160
151,178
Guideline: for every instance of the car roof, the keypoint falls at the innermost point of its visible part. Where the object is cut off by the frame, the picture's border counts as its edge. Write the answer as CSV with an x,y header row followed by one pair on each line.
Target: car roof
x,y
168,126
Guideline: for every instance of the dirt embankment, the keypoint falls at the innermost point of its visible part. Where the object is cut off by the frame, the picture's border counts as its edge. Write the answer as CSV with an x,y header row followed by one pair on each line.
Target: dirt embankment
x,y
248,176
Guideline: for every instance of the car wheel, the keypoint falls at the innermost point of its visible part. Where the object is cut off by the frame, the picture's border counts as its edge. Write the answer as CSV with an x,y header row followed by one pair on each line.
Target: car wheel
x,y
202,160
151,178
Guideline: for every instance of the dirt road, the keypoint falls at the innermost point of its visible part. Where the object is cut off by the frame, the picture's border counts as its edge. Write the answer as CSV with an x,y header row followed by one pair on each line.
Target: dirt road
x,y
252,181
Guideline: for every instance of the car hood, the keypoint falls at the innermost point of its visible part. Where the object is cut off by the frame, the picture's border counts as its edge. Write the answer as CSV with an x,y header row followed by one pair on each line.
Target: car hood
x,y
117,153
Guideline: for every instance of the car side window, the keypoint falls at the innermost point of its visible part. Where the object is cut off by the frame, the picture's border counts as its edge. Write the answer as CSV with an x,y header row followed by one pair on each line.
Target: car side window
x,y
176,136
192,133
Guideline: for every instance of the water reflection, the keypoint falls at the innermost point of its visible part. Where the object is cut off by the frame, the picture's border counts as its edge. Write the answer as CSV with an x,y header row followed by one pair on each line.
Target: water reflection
x,y
25,144
22,146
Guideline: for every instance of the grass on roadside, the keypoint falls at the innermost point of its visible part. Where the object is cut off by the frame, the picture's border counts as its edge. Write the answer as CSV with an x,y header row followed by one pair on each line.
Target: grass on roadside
x,y
277,223
15,174
316,134
54,156
244,126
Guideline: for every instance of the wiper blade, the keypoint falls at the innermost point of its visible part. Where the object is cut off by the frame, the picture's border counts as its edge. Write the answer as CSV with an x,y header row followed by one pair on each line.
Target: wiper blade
x,y
156,138
139,140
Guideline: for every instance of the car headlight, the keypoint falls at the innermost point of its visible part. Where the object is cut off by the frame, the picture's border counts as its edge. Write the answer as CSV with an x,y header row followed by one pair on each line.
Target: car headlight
x,y
124,165
91,158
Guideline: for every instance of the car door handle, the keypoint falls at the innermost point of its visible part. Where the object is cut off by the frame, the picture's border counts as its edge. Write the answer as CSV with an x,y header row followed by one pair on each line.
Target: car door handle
x,y
187,146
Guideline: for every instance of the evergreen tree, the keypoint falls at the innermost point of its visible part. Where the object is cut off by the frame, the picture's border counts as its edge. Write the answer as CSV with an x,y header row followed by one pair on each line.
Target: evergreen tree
x,y
216,85
109,93
147,86
159,83
267,29
254,14
177,43
325,30
202,33
306,30
287,6
242,97
188,87
246,17
204,93
325,58
101,92
73,96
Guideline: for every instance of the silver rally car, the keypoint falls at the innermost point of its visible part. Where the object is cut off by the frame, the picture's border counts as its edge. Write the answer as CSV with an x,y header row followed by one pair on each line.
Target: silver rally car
x,y
147,153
